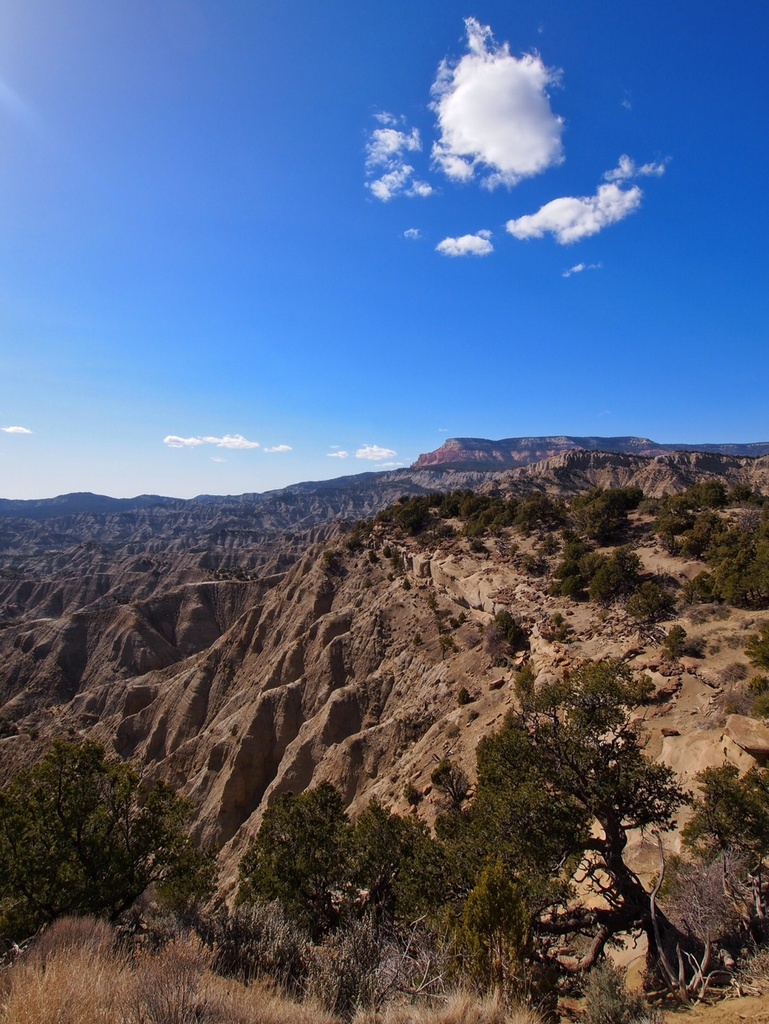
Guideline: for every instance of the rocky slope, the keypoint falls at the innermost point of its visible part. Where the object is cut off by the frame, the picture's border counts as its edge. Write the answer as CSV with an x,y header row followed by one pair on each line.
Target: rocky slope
x,y
243,670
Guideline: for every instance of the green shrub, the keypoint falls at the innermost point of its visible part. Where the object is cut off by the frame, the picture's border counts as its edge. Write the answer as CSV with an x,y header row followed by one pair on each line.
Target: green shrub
x,y
757,647
411,794
675,643
80,833
449,779
617,575
607,1000
651,602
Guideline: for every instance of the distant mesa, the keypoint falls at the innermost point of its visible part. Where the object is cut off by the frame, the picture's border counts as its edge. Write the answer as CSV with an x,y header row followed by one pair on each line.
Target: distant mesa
x,y
478,453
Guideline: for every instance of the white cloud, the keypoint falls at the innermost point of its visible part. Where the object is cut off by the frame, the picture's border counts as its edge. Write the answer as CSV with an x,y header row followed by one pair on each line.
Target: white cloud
x,y
280,448
579,268
391,465
570,219
397,181
412,233
628,169
183,442
420,189
386,166
494,113
387,144
15,430
390,184
338,455
374,453
467,245
235,441
217,458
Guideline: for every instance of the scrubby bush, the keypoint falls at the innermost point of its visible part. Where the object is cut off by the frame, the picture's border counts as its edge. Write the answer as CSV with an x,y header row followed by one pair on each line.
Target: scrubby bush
x,y
675,643
602,515
616,576
608,1001
324,869
80,833
651,602
449,779
257,940
757,647
504,636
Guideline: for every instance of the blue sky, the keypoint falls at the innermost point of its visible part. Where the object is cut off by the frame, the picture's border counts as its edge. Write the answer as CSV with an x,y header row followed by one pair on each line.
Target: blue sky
x,y
239,239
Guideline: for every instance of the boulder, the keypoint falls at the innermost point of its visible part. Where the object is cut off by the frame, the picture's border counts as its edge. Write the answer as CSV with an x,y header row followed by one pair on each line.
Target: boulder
x,y
749,734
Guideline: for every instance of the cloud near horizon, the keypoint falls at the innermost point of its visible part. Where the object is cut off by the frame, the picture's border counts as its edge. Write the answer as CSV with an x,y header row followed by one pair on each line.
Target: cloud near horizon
x,y
374,453
571,219
338,455
234,441
478,244
15,430
494,113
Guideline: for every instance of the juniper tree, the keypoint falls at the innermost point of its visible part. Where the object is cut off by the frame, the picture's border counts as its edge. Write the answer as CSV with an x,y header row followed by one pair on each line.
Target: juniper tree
x,y
559,788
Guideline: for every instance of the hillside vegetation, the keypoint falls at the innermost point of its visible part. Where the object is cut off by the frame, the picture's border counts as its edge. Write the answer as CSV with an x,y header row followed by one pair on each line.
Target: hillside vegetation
x,y
450,745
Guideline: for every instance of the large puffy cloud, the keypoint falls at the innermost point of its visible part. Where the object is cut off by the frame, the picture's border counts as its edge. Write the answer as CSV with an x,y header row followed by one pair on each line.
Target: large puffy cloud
x,y
467,245
374,453
569,219
15,430
235,441
386,167
494,113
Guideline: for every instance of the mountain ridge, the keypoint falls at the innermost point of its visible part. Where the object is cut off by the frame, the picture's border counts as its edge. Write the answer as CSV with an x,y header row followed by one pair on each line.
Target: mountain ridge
x,y
511,452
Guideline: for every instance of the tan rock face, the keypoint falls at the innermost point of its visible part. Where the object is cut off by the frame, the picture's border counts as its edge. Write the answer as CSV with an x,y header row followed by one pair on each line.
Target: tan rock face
x,y
750,735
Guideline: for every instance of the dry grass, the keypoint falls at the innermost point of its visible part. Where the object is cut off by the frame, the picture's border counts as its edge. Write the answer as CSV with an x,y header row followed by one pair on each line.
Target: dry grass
x,y
458,1008
68,987
78,974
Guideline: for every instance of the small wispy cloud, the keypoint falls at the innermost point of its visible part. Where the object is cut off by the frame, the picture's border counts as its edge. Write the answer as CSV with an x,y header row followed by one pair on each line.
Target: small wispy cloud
x,y
15,430
373,453
627,169
391,465
579,268
338,455
570,219
387,169
494,113
478,244
217,458
234,441
412,233
279,448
